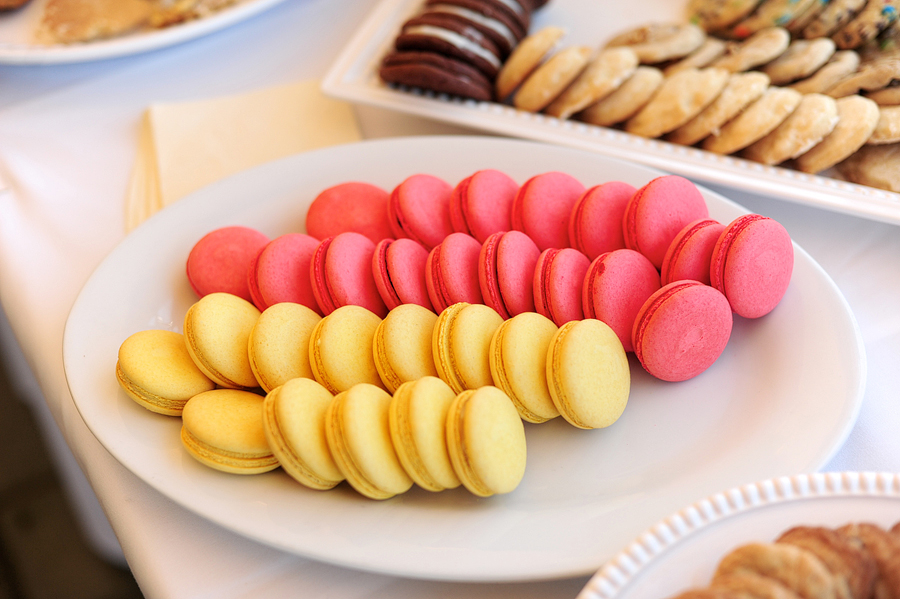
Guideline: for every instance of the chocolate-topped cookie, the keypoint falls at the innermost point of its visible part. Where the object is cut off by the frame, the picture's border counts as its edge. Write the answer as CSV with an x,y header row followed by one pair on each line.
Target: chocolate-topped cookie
x,y
516,20
494,29
447,35
436,72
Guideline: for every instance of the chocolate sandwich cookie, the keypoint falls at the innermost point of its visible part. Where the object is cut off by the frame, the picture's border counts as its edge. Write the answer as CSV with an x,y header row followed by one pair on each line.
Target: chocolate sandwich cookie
x,y
436,72
495,9
494,29
444,34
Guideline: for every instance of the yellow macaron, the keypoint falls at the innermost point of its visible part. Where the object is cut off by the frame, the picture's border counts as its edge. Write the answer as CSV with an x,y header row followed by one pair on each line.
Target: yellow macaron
x,y
156,370
358,432
340,349
294,424
278,346
461,344
518,364
418,421
588,373
486,441
216,332
223,429
402,345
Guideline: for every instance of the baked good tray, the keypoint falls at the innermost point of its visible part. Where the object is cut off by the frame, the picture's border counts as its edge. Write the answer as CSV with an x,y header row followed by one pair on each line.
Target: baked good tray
x,y
354,77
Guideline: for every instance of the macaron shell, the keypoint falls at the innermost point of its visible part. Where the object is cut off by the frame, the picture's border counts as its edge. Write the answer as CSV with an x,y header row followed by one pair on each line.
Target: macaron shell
x,y
420,209
451,272
155,369
543,206
217,332
690,253
351,206
752,264
294,424
657,212
469,344
358,432
482,203
223,429
418,421
340,349
280,272
402,346
348,273
588,374
615,287
486,441
399,270
595,226
220,261
558,282
506,272
681,330
518,364
278,346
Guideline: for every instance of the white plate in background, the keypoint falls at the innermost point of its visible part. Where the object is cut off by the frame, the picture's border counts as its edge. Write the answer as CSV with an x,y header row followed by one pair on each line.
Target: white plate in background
x,y
682,551
354,77
780,400
17,45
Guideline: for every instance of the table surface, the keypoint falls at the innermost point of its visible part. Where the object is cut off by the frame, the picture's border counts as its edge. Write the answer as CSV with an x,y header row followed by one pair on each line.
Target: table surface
x,y
68,136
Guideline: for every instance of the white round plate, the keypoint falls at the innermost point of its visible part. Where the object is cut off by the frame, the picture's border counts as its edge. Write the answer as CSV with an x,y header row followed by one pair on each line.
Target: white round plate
x,y
17,45
780,400
682,551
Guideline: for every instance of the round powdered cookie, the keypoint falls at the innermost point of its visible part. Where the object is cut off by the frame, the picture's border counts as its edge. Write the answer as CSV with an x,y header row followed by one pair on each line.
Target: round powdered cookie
x,y
679,99
525,59
626,101
873,75
713,15
800,60
834,16
755,122
813,119
875,166
660,42
842,64
741,90
877,16
711,49
551,78
887,131
857,118
771,13
601,77
436,72
797,569
758,49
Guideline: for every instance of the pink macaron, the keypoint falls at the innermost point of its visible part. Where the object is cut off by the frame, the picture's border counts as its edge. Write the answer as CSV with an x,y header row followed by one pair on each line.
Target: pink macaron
x,y
221,259
558,282
595,226
341,274
399,270
657,212
351,206
420,210
280,272
689,253
752,263
506,266
615,287
543,206
681,330
481,203
451,272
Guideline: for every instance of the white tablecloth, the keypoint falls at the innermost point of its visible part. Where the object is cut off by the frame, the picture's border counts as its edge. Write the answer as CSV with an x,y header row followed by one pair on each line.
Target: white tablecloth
x,y
67,141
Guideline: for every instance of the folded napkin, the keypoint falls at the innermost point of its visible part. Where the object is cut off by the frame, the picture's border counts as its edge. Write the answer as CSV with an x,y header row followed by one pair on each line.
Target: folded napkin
x,y
185,146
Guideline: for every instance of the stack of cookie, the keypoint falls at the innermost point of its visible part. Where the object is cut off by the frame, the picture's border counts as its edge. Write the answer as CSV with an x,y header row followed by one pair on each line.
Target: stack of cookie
x,y
457,47
854,561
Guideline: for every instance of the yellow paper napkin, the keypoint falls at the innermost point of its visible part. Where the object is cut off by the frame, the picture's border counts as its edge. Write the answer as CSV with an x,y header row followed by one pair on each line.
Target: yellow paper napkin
x,y
185,146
